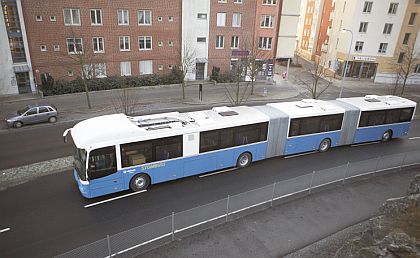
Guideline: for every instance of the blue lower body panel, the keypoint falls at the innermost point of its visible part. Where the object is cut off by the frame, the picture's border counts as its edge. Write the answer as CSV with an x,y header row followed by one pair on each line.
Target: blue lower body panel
x,y
307,143
374,133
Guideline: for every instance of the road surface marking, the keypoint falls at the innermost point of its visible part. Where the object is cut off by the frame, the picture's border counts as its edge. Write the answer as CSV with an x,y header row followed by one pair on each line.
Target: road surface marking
x,y
4,230
301,154
217,172
414,138
113,199
366,143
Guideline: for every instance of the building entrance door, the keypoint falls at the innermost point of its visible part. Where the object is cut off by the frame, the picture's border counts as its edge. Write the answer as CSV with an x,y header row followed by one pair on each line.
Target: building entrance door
x,y
199,71
23,82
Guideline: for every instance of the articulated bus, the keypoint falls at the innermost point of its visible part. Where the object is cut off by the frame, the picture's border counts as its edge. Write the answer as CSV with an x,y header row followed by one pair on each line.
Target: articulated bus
x,y
118,152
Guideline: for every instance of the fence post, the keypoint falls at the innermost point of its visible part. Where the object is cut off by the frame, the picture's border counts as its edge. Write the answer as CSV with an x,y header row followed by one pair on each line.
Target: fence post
x,y
403,161
109,246
227,208
173,226
312,180
272,194
345,172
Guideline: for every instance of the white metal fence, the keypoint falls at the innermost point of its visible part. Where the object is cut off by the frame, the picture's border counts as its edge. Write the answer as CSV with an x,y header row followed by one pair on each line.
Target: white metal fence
x,y
143,238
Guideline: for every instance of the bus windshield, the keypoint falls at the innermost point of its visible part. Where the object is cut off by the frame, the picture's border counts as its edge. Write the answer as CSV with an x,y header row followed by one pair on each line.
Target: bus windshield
x,y
80,163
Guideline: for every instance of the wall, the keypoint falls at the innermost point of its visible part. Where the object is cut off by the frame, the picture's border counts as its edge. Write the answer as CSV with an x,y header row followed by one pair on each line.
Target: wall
x,y
7,76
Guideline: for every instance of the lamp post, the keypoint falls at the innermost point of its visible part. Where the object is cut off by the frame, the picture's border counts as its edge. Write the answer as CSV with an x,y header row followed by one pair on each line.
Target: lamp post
x,y
346,62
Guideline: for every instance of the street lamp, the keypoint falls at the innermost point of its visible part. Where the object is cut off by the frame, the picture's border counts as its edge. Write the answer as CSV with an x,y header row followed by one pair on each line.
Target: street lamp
x,y
346,62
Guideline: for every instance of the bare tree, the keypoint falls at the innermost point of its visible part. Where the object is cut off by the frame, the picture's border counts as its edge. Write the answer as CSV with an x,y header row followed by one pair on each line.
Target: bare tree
x,y
404,63
127,100
238,93
185,63
317,82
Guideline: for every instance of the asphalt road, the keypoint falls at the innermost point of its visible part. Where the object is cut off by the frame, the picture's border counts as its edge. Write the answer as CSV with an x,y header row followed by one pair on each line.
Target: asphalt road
x,y
47,216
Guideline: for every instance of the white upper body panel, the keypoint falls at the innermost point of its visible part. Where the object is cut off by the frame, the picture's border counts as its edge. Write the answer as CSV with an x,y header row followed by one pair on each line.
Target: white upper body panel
x,y
307,108
374,102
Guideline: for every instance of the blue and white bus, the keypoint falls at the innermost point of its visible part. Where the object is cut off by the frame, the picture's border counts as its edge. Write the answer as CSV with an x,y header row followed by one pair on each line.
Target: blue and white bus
x,y
118,152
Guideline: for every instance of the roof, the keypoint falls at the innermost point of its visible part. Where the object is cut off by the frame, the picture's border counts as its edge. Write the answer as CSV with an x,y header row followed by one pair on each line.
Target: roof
x,y
118,128
308,107
374,102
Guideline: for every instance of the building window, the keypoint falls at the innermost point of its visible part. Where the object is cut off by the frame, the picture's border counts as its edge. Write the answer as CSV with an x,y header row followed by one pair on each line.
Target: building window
x,y
56,48
359,46
367,8
221,19
236,20
393,8
160,67
71,17
401,58
38,18
417,1
237,1
98,44
145,42
270,2
222,1
145,17
202,16
100,70
74,45
125,68
160,43
170,43
123,18
70,73
53,18
160,18
363,27
412,19
265,43
146,67
124,43
201,39
220,41
387,28
170,67
170,18
406,38
43,48
267,21
417,68
234,44
382,48
96,17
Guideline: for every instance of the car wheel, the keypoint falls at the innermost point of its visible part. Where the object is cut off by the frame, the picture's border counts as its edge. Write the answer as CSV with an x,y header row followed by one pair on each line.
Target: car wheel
x,y
17,124
244,160
139,182
324,145
52,119
386,136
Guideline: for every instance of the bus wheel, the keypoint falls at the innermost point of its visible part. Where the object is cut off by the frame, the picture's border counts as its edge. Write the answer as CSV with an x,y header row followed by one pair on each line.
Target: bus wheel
x,y
244,160
324,145
139,182
387,136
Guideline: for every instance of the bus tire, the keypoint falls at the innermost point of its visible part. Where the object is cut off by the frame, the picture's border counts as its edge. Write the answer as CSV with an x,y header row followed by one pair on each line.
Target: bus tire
x,y
387,136
324,145
244,160
139,182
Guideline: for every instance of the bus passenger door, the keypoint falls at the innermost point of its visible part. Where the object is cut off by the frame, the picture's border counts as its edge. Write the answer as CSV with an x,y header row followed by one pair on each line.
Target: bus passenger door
x,y
102,172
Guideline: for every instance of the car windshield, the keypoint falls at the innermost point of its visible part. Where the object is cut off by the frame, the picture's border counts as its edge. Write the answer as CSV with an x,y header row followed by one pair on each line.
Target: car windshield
x,y
23,110
80,163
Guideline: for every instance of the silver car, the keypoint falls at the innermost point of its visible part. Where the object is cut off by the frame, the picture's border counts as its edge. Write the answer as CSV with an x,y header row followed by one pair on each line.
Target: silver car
x,y
33,114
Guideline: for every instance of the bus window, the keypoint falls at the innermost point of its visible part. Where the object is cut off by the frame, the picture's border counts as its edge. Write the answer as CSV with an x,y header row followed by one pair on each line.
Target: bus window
x,y
168,148
406,114
310,125
137,153
102,162
392,116
209,140
226,138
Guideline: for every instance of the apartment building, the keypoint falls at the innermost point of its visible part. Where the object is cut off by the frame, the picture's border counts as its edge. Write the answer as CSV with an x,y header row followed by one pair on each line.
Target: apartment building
x,y
315,24
370,35
16,75
102,38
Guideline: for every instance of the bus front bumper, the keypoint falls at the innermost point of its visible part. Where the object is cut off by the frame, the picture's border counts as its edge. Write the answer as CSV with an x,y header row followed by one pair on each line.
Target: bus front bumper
x,y
83,187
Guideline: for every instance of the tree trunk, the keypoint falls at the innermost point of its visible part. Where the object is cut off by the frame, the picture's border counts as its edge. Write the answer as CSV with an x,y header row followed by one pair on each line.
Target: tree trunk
x,y
87,94
404,82
252,86
183,89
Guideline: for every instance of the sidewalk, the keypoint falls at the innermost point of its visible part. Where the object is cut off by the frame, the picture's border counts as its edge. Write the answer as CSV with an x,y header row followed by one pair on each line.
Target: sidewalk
x,y
285,228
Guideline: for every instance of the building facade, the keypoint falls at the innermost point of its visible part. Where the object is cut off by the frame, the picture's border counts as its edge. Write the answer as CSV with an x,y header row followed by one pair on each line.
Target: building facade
x,y
16,76
370,35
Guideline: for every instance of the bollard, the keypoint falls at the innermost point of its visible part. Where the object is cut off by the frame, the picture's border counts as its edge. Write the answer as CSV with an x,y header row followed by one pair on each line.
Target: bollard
x,y
265,92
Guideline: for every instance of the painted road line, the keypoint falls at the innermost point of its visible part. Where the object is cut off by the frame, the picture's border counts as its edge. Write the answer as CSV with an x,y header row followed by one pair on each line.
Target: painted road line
x,y
414,138
365,143
301,154
218,172
4,230
113,199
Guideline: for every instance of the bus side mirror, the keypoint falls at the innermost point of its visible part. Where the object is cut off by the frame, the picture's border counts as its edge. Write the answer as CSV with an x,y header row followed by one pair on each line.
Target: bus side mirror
x,y
65,134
